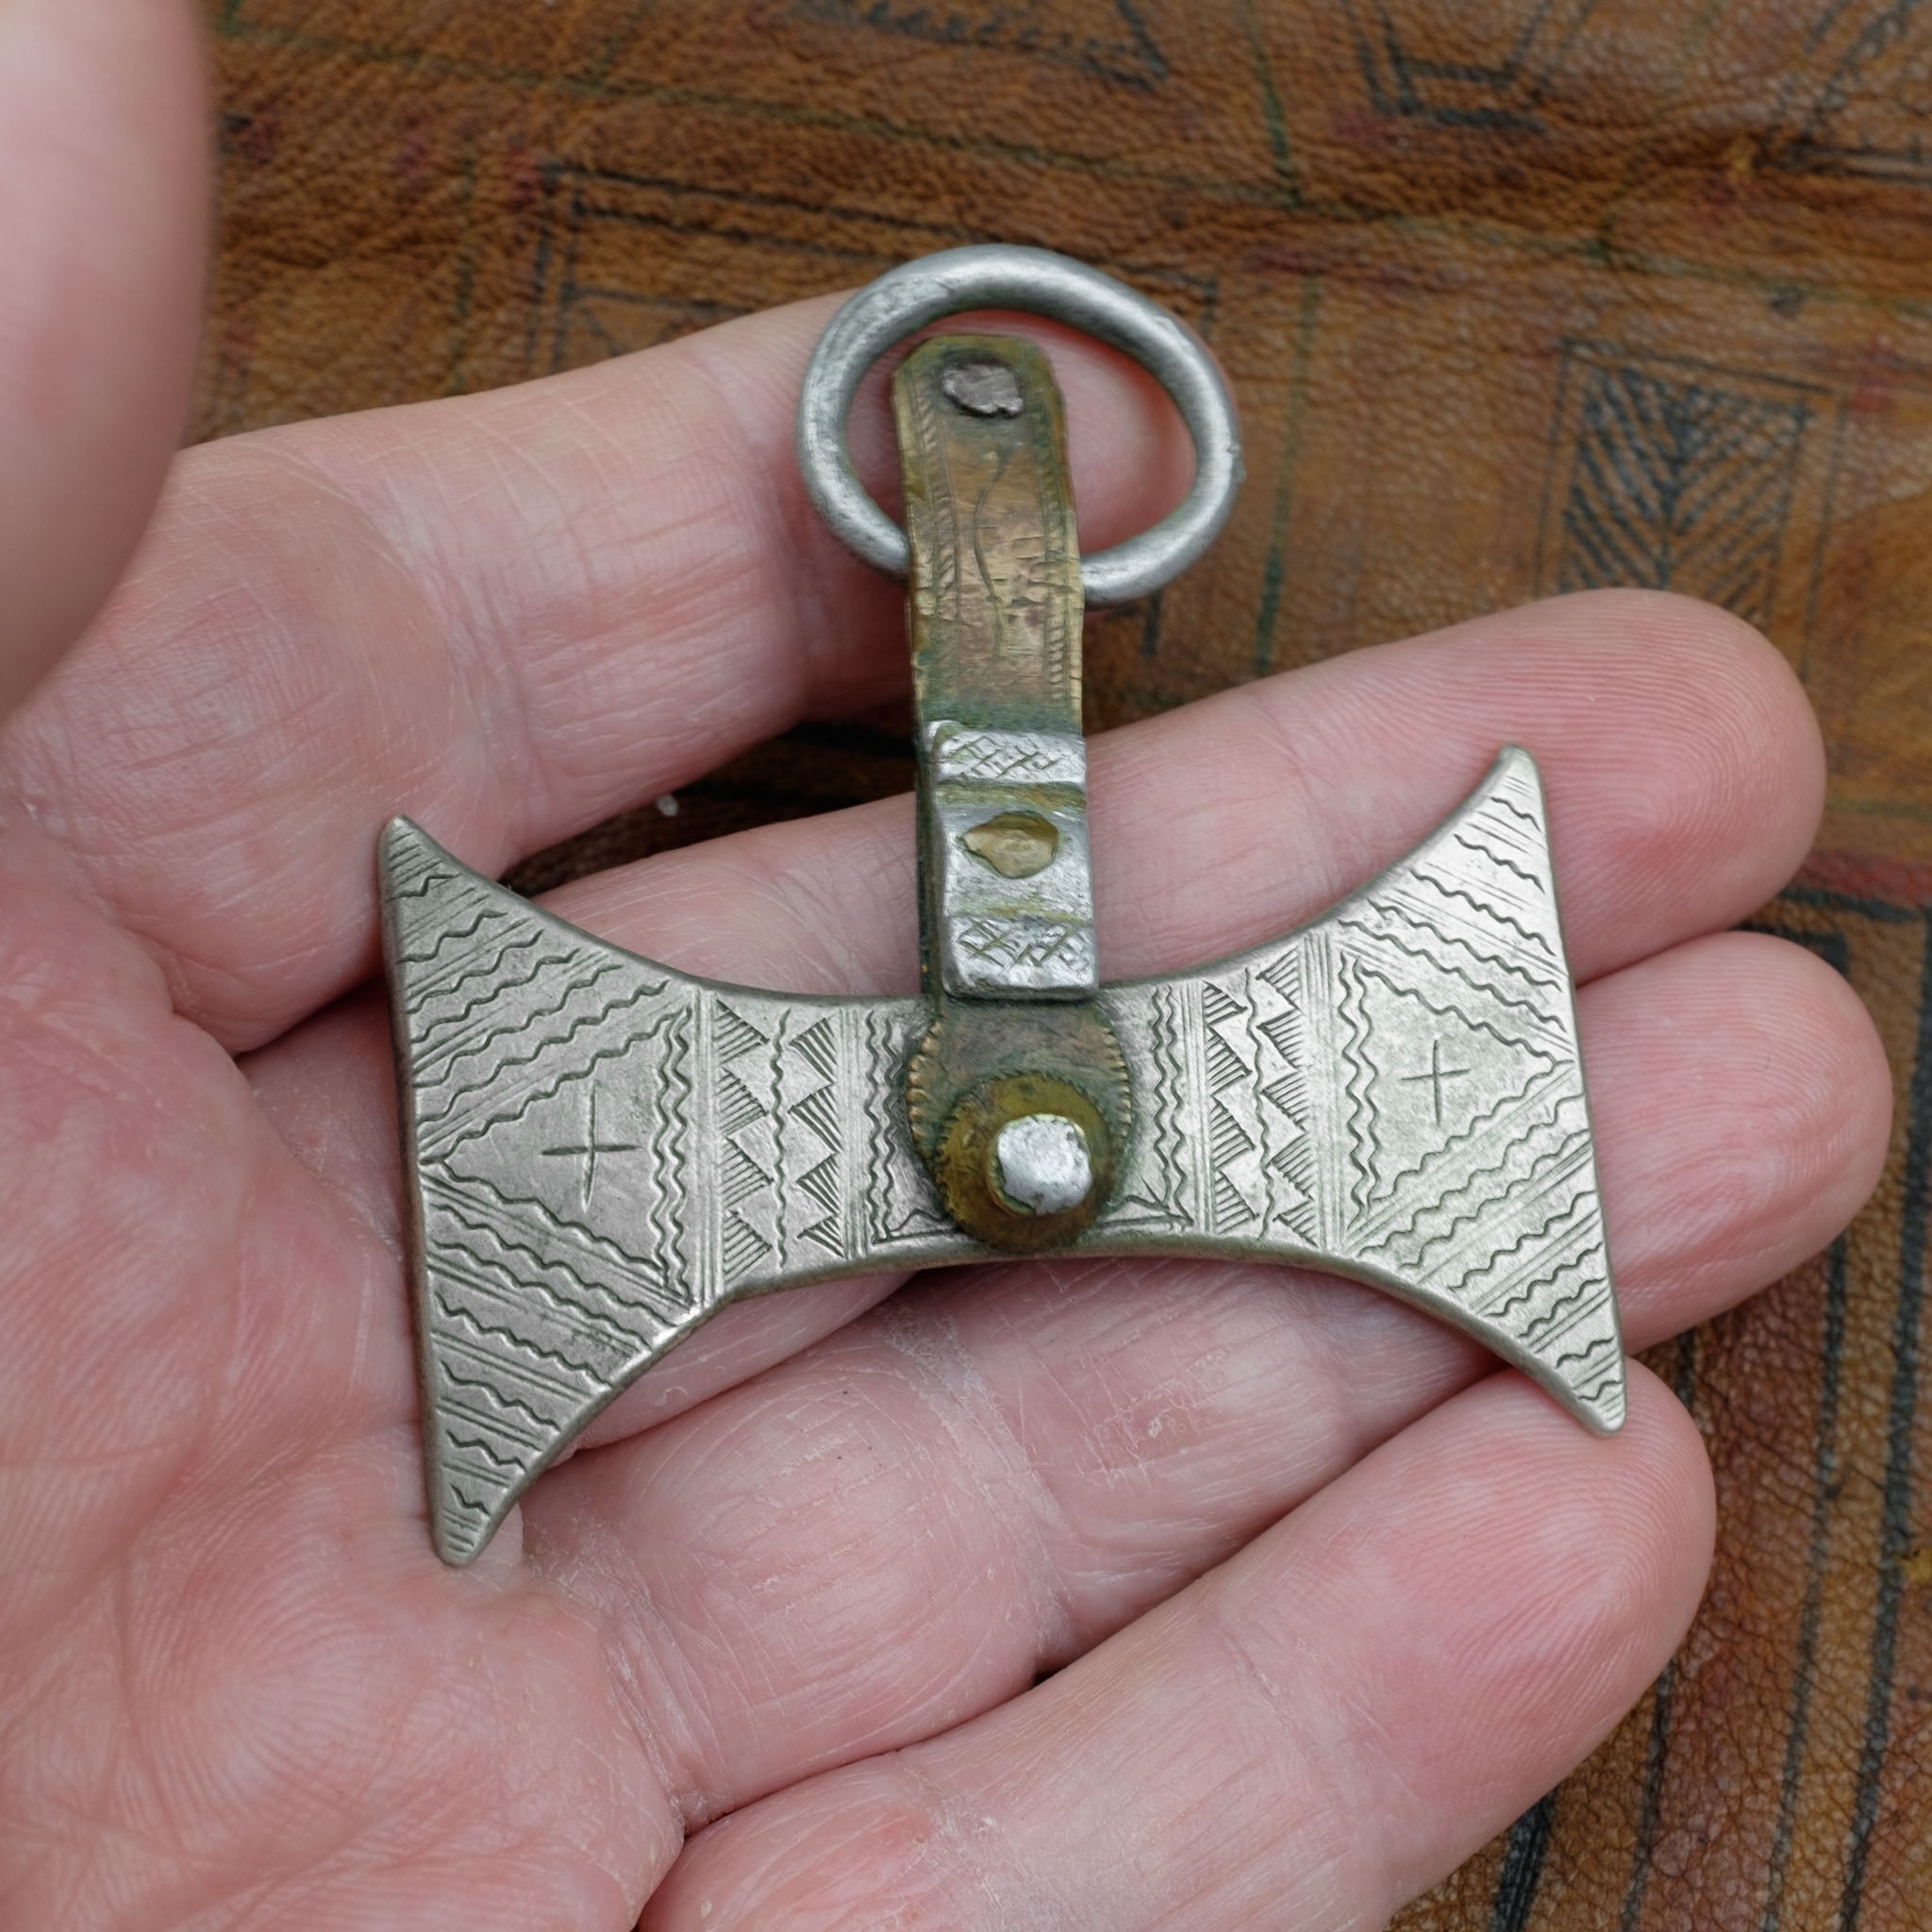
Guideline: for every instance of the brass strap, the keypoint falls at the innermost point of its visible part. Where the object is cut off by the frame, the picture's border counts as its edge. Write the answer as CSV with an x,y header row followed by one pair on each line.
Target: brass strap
x,y
994,606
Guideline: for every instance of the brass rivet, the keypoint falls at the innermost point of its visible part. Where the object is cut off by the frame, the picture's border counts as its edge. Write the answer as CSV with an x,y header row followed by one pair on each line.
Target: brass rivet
x,y
1016,845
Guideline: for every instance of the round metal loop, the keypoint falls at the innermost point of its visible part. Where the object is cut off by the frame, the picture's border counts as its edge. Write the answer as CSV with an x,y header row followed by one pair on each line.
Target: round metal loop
x,y
1036,282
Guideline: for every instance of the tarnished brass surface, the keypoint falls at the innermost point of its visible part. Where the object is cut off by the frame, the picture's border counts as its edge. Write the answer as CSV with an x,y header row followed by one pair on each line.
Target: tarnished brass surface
x,y
994,603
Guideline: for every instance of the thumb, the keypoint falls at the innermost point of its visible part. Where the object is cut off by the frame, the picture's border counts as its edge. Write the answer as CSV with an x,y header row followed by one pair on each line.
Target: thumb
x,y
103,219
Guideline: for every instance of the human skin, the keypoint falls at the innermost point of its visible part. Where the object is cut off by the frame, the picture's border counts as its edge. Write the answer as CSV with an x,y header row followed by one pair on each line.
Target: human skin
x,y
1326,1598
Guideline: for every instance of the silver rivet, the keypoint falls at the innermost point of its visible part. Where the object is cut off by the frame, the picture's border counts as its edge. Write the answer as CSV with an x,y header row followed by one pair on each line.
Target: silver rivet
x,y
982,386
1042,1164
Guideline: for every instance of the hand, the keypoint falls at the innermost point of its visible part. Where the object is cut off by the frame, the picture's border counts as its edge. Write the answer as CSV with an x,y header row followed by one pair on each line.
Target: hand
x,y
1329,1600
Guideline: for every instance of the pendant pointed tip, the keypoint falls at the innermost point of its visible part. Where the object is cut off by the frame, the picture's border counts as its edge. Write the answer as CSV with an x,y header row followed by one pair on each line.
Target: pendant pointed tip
x,y
1604,1414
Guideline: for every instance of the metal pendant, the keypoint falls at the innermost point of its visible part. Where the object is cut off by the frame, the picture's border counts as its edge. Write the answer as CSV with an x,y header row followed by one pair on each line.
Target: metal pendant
x,y
602,1152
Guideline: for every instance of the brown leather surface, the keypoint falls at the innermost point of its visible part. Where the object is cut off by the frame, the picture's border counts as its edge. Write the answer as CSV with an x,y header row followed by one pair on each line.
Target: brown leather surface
x,y
1518,295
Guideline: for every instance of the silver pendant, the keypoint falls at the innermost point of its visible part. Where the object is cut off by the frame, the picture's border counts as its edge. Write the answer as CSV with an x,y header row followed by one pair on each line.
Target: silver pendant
x,y
602,1152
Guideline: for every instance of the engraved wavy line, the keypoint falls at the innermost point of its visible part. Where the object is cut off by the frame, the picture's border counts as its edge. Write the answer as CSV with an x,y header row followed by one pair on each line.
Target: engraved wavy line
x,y
1381,935
1451,1012
433,875
1483,911
613,1251
1547,1232
1533,820
503,1364
1539,1330
477,1446
483,969
544,1048
503,1333
1482,1173
610,1323
1581,1355
451,933
1169,1142
1466,838
1501,1316
1540,1164
1551,1234
667,1148
523,1023
517,1023
497,1394
432,1050
1354,1009
532,1446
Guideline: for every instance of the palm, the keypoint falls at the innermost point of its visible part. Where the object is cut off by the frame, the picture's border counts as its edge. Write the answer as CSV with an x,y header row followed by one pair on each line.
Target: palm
x,y
813,1569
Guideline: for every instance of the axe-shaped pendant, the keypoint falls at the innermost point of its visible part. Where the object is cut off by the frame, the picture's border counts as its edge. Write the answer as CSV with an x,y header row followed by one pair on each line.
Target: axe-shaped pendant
x,y
601,1152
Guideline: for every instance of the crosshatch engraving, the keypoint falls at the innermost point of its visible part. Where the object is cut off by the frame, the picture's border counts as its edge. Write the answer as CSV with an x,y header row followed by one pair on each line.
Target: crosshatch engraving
x,y
1669,473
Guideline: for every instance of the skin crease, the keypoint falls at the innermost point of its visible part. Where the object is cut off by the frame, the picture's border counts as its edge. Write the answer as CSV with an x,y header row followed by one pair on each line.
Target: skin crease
x,y
766,1653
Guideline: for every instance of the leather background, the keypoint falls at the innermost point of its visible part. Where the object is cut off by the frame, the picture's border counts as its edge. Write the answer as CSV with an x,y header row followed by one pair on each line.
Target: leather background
x,y
1518,295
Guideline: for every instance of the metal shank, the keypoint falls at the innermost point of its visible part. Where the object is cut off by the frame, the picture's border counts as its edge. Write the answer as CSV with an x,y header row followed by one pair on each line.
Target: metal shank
x,y
1034,281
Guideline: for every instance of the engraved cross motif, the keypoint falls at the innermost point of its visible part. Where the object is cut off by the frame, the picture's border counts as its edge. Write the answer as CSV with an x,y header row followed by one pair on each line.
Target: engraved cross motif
x,y
589,1147
1435,1074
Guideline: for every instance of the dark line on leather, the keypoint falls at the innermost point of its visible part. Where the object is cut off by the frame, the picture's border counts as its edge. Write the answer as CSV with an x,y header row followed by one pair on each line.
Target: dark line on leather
x,y
1522,1867
1663,1704
1895,1516
1835,950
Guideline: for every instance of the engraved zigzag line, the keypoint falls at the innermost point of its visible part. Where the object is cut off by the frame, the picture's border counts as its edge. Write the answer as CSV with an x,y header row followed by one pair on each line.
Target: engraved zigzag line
x,y
544,1049
1390,935
610,1323
1538,1284
522,1023
451,933
1491,837
483,969
1484,911
1353,1006
1465,840
1531,1128
1522,1195
505,1336
433,875
613,1251
489,1388
476,1444
501,1364
667,1154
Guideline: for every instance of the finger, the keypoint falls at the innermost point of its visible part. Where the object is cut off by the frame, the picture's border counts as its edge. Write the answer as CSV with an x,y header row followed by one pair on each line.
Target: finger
x,y
1309,1736
103,190
507,615
1230,820
904,1524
